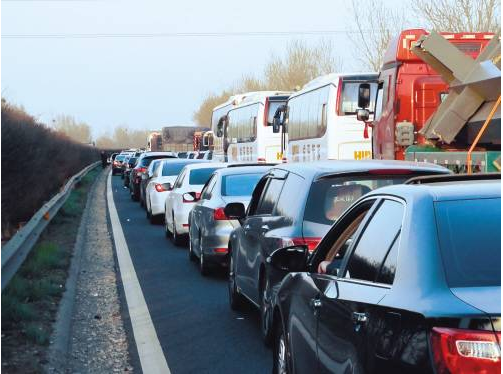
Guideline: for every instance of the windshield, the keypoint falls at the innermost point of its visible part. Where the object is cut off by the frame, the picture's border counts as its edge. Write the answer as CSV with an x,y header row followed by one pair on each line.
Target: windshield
x,y
200,176
120,158
470,241
172,168
145,162
330,197
273,106
239,185
132,161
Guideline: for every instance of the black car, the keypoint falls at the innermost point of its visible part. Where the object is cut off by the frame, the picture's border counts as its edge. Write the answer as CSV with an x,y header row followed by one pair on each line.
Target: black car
x,y
141,167
297,204
408,280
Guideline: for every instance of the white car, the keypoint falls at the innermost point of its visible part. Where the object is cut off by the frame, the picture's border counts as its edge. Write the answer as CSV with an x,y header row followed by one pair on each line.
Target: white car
x,y
179,202
160,185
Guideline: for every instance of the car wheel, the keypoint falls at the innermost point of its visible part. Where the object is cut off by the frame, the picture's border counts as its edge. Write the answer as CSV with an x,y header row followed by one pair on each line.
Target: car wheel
x,y
235,298
174,235
203,266
265,310
280,353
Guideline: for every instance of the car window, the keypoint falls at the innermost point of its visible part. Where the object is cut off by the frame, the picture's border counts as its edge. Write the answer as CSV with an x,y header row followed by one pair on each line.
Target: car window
x,y
239,184
375,241
388,268
172,168
291,200
200,176
330,197
470,241
179,180
270,196
206,192
256,194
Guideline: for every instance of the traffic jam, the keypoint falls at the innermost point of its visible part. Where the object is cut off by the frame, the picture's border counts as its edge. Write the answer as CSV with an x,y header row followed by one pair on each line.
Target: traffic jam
x,y
360,215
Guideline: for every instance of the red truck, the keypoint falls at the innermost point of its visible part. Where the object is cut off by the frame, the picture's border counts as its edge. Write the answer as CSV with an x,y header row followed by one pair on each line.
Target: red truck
x,y
410,91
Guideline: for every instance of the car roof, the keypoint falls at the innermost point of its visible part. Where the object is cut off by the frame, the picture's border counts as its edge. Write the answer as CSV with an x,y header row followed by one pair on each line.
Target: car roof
x,y
205,165
184,160
445,191
147,154
244,170
320,168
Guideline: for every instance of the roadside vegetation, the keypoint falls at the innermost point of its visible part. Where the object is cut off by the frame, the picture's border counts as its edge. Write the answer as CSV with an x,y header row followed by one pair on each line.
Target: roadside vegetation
x,y
36,163
30,301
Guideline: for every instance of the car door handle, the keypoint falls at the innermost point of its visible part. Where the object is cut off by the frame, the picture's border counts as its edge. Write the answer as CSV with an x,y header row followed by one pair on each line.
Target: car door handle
x,y
316,303
360,317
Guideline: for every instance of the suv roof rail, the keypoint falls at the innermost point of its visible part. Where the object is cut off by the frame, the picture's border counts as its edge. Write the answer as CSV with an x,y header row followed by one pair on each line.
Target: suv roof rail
x,y
453,178
250,164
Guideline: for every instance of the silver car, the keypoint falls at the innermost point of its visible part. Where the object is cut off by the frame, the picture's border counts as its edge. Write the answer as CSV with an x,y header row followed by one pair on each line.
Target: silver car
x,y
209,227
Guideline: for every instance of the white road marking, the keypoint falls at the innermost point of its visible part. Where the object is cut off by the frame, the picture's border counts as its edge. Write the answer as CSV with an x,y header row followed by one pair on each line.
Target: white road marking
x,y
152,358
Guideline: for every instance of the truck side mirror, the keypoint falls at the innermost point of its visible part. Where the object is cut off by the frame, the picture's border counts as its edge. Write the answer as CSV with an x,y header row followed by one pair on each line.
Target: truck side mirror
x,y
220,126
276,125
362,115
364,95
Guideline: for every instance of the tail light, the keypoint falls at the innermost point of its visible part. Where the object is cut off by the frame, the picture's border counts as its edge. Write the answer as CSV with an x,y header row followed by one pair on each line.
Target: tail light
x,y
161,187
311,243
261,160
141,170
219,215
465,351
220,250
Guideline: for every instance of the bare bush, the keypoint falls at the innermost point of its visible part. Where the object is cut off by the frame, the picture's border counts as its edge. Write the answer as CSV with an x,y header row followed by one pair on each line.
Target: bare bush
x,y
78,131
36,161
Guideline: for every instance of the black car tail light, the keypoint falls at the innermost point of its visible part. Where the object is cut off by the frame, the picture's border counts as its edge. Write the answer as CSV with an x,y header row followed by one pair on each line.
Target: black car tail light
x,y
465,351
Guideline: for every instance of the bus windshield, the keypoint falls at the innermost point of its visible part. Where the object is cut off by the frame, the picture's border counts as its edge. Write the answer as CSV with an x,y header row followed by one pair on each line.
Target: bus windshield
x,y
349,97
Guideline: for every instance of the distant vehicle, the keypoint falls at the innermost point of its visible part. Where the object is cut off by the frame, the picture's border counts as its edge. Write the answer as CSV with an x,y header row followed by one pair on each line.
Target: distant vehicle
x,y
112,157
396,286
296,204
321,119
205,155
249,127
141,167
181,199
179,138
117,164
182,154
129,166
161,184
191,154
209,227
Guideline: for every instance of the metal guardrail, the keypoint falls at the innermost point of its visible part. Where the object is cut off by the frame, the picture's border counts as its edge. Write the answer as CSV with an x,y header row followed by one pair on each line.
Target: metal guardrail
x,y
19,246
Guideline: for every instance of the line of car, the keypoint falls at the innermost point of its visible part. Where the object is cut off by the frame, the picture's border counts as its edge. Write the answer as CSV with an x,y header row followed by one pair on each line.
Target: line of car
x,y
354,266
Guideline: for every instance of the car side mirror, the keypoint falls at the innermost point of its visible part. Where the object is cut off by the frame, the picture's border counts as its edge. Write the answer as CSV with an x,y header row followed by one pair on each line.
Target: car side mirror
x,y
189,197
235,210
290,259
362,115
364,95
168,186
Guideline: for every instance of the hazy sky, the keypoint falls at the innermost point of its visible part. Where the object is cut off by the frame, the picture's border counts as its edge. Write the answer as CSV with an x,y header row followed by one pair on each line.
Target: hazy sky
x,y
148,82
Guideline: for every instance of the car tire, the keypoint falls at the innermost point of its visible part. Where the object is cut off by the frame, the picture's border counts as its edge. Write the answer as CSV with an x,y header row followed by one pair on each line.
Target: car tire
x,y
265,310
235,298
177,240
280,352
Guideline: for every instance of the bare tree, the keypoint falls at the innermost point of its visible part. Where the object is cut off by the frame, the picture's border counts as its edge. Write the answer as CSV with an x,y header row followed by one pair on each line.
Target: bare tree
x,y
460,15
78,131
300,65
376,24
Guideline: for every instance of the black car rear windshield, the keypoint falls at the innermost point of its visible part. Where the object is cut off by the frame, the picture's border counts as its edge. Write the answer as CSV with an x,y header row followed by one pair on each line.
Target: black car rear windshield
x,y
173,168
120,157
200,176
469,233
145,161
330,197
239,185
132,161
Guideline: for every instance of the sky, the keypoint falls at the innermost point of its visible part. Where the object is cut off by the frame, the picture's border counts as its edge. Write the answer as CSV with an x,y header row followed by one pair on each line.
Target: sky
x,y
143,80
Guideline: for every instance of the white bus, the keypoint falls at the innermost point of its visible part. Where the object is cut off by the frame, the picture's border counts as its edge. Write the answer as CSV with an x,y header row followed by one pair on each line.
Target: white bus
x,y
321,119
249,125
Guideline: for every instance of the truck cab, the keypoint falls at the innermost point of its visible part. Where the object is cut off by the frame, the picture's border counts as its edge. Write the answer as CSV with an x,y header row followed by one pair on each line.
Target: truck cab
x,y
410,91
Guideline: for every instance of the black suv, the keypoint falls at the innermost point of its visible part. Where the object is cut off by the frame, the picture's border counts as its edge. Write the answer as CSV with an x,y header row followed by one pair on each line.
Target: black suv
x,y
296,204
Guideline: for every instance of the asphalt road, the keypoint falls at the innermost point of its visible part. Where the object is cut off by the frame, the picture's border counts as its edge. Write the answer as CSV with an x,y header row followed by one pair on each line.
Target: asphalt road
x,y
198,331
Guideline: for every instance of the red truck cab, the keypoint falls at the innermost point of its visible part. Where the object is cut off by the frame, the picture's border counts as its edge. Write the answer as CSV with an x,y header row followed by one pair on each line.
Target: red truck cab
x,y
410,91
